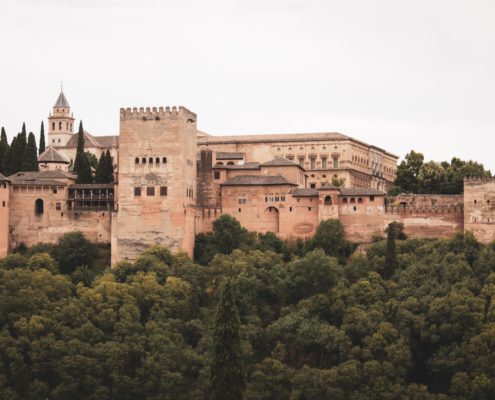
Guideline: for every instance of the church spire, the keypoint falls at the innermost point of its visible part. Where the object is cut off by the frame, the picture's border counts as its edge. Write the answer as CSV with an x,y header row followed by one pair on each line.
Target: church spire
x,y
61,101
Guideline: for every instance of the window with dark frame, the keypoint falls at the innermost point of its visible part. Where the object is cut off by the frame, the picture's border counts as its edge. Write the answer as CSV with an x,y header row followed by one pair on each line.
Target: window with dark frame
x,y
163,191
150,191
137,192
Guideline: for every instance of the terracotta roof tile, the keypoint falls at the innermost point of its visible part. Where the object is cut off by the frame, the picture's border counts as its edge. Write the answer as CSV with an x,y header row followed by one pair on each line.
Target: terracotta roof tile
x,y
361,192
52,155
224,155
305,192
280,162
256,180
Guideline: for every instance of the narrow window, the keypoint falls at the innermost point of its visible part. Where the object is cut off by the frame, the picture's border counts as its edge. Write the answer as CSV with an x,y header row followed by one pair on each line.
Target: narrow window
x,y
309,208
3,203
151,160
53,126
354,208
67,126
372,198
324,162
143,160
301,161
55,191
58,206
313,162
60,126
38,207
239,210
360,200
328,200
353,200
150,191
335,162
164,160
137,192
344,200
157,160
136,160
216,174
290,209
163,191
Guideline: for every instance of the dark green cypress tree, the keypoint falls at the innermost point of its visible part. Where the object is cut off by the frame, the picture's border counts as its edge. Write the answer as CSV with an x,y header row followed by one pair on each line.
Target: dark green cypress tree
x,y
227,371
81,164
3,147
42,138
30,159
84,175
6,160
391,252
17,150
109,168
100,169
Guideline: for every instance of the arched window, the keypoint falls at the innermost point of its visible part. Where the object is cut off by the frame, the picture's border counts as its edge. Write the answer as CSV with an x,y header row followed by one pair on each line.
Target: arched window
x,y
230,163
60,126
328,200
143,160
353,200
360,200
219,163
38,207
164,160
151,160
53,126
136,160
70,126
67,126
157,160
344,200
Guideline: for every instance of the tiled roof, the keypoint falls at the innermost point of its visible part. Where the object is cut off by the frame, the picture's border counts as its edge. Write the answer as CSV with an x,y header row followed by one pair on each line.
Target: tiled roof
x,y
326,185
280,162
40,176
291,137
52,155
94,141
361,192
62,101
255,180
224,155
3,178
305,192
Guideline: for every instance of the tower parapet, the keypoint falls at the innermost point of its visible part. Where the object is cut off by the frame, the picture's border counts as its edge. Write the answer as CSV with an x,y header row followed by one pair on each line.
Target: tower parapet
x,y
150,113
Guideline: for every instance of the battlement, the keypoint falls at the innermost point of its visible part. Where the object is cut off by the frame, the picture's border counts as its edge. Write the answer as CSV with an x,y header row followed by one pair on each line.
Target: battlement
x,y
156,113
478,181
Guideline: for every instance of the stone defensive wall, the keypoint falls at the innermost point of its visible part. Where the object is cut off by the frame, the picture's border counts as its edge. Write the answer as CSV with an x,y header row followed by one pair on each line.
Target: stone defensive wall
x,y
479,208
148,113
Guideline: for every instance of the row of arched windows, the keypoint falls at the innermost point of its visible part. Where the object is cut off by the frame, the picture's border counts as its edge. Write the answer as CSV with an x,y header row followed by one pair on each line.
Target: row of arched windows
x,y
60,126
150,160
352,200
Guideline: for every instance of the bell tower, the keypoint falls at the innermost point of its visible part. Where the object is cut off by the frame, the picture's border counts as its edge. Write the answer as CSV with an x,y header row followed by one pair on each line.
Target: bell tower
x,y
60,122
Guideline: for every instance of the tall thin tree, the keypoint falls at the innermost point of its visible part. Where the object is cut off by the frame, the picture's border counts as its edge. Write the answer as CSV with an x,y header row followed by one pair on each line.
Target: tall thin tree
x,y
3,147
81,164
42,138
227,370
391,252
109,167
30,159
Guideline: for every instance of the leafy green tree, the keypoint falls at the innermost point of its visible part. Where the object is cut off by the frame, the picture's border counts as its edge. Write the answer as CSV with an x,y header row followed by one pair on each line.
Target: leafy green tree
x,y
330,237
339,182
42,139
74,250
93,161
227,370
408,171
228,234
432,178
30,160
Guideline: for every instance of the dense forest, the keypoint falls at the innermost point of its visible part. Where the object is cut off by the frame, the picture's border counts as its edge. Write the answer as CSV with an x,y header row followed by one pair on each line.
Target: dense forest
x,y
405,319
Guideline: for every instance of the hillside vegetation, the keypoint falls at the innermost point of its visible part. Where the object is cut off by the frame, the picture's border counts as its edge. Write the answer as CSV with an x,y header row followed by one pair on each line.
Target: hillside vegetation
x,y
411,319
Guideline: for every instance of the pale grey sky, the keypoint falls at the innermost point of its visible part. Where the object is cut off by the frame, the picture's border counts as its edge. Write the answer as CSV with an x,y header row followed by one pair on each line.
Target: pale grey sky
x,y
398,74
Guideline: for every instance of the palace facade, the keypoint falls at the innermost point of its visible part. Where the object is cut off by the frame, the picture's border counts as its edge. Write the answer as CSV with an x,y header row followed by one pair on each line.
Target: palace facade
x,y
172,181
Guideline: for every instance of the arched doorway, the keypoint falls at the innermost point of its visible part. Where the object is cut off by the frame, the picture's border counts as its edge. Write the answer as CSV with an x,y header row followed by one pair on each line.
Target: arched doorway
x,y
270,219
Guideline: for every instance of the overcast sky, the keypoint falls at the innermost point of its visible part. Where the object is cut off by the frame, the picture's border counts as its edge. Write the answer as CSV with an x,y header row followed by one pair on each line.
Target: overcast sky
x,y
398,74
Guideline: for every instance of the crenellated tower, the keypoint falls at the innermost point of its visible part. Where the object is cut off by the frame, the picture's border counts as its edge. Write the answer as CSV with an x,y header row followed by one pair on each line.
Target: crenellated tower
x,y
156,181
4,215
60,123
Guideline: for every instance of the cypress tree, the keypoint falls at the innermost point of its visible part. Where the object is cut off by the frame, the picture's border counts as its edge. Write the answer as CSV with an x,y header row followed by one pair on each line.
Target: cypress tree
x,y
17,150
109,168
81,164
100,169
6,160
30,159
391,252
3,147
42,138
227,376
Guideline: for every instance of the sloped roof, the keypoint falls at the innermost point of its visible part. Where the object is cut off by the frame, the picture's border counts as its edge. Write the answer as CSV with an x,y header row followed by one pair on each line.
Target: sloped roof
x,y
225,155
62,101
361,192
326,185
305,192
50,155
43,182
94,141
248,165
92,186
3,178
256,180
280,162
32,176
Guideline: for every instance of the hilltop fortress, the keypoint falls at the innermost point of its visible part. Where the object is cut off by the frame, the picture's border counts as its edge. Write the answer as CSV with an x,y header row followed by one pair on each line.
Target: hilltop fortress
x,y
172,181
